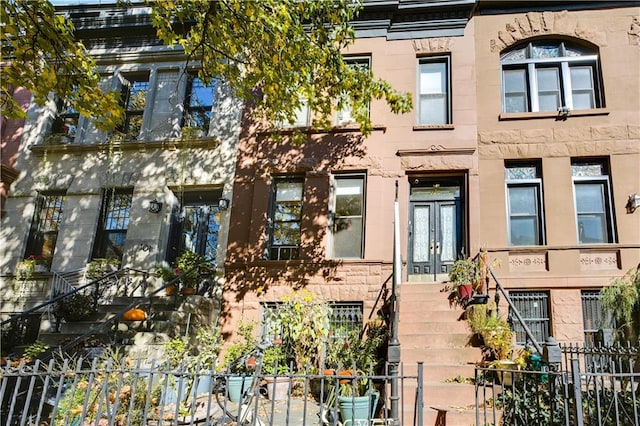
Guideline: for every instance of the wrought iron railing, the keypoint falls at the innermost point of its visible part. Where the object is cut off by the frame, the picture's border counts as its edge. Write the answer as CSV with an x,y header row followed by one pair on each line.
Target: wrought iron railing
x,y
590,386
112,391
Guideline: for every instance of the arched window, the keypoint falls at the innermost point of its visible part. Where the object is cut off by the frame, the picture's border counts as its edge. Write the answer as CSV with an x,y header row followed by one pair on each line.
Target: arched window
x,y
550,75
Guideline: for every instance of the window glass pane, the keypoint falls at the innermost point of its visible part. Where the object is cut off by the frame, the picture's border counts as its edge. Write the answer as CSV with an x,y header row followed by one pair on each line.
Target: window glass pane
x,y
347,237
288,211
137,95
588,169
433,88
349,197
548,89
523,200
582,87
433,78
523,231
433,110
590,198
289,191
514,55
540,51
348,220
521,172
286,233
592,229
515,88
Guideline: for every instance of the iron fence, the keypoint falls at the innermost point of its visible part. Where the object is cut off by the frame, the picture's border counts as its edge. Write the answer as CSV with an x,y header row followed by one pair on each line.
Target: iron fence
x,y
591,386
118,392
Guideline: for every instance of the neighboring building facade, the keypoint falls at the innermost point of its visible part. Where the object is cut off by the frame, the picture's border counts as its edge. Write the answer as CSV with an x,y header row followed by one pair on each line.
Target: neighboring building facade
x,y
559,155
81,197
529,157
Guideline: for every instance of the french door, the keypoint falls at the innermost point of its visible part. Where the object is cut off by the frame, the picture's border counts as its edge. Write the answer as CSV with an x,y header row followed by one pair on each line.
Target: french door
x,y
435,231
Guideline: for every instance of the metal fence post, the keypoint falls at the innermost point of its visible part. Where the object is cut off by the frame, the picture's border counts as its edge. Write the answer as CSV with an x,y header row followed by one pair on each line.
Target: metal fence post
x,y
577,392
420,396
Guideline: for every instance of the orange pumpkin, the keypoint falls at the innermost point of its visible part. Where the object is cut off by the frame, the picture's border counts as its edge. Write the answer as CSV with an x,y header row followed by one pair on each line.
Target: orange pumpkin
x,y
134,315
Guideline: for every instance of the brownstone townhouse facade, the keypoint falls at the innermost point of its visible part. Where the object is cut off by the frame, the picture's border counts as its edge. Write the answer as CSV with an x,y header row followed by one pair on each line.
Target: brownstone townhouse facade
x,y
524,141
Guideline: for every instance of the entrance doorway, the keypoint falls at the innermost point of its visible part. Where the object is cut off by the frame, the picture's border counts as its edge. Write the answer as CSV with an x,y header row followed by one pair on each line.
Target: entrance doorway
x,y
435,227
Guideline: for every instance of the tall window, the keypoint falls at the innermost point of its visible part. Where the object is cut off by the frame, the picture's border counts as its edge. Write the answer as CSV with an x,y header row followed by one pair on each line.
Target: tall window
x,y
198,103
285,218
534,309
134,100
592,193
547,75
434,90
44,227
114,221
195,226
345,115
524,204
347,216
66,120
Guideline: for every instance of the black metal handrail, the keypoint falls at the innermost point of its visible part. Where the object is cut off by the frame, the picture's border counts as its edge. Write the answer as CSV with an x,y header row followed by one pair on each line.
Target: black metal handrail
x,y
96,282
513,309
382,295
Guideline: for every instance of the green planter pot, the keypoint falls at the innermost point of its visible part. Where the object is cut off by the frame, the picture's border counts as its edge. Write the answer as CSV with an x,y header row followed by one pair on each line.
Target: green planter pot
x,y
357,408
237,386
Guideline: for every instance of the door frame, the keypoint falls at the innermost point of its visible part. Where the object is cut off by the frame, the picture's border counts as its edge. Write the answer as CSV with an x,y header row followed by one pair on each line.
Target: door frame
x,y
436,181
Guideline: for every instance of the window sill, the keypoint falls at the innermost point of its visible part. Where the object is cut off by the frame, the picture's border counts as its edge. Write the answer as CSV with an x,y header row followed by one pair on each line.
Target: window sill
x,y
128,145
421,127
343,128
552,114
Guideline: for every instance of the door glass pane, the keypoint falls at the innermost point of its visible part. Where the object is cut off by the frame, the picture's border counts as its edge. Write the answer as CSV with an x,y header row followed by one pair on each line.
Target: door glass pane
x,y
421,226
447,233
548,89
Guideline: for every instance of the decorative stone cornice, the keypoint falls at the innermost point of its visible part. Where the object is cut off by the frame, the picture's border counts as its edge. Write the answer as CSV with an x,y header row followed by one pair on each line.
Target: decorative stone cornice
x,y
543,23
434,150
170,144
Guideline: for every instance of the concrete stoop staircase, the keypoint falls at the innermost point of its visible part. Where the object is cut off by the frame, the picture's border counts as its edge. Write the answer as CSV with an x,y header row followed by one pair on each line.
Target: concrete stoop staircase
x,y
432,332
166,318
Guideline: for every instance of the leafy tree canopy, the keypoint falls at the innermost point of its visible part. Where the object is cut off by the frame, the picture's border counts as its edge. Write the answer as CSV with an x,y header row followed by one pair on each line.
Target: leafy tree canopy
x,y
42,55
275,54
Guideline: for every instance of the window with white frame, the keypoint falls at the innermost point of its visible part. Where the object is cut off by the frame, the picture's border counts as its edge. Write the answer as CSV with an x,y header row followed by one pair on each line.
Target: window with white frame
x,y
347,216
134,100
524,204
547,75
285,218
593,201
533,307
345,115
198,103
434,91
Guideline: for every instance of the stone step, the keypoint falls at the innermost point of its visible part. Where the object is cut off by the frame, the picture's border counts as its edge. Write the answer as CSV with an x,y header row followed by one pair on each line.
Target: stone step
x,y
452,356
406,328
434,340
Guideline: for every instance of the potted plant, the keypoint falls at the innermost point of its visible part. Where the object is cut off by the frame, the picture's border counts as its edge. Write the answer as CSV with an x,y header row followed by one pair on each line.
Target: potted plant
x,y
189,263
464,278
75,307
193,360
99,267
357,359
275,366
168,276
237,362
